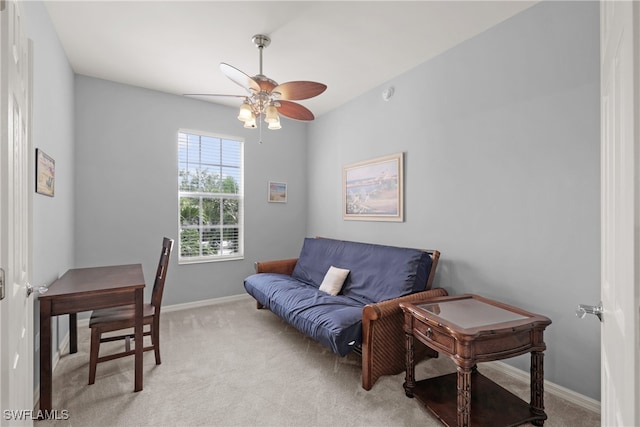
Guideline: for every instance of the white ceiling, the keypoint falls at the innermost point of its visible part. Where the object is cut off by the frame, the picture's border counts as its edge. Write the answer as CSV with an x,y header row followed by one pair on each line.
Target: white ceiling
x,y
177,46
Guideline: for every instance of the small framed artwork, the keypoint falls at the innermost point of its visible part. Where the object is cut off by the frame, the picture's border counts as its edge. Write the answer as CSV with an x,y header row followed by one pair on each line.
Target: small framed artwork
x,y
45,173
372,190
277,192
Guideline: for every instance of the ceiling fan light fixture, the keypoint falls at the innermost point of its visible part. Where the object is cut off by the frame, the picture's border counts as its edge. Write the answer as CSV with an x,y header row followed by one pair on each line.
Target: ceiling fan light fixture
x,y
246,113
251,123
275,125
271,114
264,96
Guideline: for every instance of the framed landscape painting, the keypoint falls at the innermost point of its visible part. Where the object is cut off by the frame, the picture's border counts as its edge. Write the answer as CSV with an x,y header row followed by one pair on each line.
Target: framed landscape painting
x,y
277,192
372,190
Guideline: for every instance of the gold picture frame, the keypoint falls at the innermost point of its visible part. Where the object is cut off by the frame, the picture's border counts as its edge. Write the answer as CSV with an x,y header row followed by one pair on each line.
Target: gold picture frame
x,y
372,190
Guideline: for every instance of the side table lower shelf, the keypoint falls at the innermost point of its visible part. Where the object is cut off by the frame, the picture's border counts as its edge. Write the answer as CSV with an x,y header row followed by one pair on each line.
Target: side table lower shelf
x,y
491,404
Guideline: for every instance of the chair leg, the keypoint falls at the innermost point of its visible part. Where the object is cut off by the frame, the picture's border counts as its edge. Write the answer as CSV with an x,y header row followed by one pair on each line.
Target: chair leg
x,y
155,339
93,356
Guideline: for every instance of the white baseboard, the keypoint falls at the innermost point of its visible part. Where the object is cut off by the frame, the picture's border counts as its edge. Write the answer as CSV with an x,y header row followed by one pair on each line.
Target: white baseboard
x,y
204,303
64,345
549,387
186,306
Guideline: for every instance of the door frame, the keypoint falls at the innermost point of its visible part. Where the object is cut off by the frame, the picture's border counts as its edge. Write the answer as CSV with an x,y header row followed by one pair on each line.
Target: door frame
x,y
620,208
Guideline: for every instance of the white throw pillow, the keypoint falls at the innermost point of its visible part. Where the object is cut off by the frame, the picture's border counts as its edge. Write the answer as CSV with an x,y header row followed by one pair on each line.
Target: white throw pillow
x,y
333,280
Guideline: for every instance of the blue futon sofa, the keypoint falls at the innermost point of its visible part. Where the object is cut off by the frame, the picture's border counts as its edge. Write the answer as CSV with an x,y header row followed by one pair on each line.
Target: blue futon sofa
x,y
345,295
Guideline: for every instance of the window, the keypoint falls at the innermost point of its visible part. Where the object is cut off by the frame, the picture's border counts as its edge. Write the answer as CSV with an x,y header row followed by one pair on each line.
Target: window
x,y
210,197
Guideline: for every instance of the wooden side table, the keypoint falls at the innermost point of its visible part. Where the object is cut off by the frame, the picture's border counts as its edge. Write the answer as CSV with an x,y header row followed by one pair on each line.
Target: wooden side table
x,y
471,329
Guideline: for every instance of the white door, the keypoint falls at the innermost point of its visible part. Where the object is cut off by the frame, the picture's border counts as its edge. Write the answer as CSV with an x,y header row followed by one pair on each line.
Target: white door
x,y
16,189
620,173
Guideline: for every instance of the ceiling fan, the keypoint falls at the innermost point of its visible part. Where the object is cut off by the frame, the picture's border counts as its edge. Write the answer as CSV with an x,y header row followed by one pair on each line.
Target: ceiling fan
x,y
266,97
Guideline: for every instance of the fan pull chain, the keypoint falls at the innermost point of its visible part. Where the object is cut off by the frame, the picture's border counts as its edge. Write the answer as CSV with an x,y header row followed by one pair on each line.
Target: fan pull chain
x,y
260,130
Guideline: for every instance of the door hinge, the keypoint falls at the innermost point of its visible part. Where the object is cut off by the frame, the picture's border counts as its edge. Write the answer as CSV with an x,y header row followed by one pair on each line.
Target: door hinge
x,y
1,284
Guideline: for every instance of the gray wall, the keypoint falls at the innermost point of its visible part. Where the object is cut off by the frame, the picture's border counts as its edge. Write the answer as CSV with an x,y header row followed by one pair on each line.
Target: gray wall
x,y
126,185
501,143
52,131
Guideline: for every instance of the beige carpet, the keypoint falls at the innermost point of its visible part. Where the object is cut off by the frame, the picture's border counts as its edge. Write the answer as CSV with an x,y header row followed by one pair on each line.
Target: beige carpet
x,y
232,365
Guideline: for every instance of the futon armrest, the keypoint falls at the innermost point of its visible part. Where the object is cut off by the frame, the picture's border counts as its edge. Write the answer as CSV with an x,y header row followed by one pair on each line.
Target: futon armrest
x,y
390,307
282,266
383,338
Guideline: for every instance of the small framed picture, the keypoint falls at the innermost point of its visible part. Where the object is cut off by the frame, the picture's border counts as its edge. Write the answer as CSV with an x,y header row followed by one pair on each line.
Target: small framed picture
x,y
45,173
277,192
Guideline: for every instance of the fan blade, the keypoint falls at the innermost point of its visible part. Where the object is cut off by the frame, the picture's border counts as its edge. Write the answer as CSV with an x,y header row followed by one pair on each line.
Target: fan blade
x,y
240,78
299,90
213,94
294,111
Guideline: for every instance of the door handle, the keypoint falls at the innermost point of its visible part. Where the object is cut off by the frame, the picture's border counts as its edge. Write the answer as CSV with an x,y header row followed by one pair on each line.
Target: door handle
x,y
584,309
1,282
37,289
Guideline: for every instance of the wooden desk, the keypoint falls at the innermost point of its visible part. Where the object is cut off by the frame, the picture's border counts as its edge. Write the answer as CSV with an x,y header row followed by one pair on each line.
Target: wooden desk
x,y
84,289
472,329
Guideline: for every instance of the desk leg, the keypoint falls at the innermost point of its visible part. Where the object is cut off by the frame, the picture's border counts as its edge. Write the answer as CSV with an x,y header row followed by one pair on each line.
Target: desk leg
x,y
537,386
139,295
73,333
464,396
45,355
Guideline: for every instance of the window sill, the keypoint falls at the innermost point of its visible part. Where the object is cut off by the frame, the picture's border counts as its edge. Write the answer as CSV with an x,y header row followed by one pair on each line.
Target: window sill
x,y
207,259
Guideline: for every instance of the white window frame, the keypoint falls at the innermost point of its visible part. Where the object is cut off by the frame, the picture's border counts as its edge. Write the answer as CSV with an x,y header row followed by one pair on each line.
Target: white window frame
x,y
239,253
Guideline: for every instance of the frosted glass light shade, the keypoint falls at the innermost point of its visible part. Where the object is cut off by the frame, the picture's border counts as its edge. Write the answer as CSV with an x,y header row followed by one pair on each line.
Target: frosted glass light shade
x,y
245,112
271,114
251,122
275,125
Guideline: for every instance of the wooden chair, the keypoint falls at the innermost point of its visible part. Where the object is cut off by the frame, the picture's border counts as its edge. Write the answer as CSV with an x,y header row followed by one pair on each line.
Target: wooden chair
x,y
117,318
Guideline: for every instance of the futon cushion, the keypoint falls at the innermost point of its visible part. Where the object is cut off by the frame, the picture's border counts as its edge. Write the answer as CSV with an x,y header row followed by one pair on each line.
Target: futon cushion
x,y
377,272
334,321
